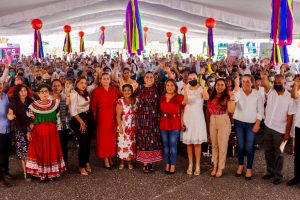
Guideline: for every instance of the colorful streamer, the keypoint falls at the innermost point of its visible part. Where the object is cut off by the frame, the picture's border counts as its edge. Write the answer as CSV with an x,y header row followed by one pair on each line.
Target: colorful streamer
x,y
67,43
102,38
81,47
183,45
282,23
146,38
210,42
38,45
169,45
134,32
179,43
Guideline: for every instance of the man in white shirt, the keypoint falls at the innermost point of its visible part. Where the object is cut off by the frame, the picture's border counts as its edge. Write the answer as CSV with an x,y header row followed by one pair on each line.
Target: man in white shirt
x,y
278,120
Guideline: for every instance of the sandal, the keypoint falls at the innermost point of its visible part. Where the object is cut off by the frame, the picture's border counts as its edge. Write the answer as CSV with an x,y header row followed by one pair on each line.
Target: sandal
x,y
151,169
146,169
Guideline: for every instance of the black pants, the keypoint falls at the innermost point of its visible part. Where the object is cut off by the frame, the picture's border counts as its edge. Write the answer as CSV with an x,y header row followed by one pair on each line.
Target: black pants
x,y
84,139
5,149
64,137
273,155
297,153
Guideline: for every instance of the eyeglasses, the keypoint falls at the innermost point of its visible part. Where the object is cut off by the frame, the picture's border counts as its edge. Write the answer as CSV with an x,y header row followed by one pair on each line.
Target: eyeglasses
x,y
44,91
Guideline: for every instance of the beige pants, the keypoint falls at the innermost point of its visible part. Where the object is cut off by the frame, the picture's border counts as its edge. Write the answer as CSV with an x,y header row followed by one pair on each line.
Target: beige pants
x,y
220,128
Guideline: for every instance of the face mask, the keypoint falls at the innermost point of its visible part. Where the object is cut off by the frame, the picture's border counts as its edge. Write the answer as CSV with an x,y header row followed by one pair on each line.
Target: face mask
x,y
166,75
211,84
20,74
57,70
278,88
90,73
12,73
289,79
38,78
193,82
272,78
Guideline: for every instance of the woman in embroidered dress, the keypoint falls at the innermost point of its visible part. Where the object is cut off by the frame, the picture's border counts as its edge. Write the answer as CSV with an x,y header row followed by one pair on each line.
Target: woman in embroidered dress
x,y
126,111
148,138
17,111
45,158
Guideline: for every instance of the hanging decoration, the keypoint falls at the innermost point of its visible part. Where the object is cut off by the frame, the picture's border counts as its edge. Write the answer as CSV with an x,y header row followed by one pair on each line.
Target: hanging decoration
x,y
67,43
81,43
124,39
38,51
179,43
102,35
210,23
169,44
281,29
183,30
146,29
134,32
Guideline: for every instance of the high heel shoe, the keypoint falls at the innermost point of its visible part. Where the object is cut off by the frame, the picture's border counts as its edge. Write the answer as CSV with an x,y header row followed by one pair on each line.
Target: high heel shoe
x,y
189,171
88,168
197,171
121,166
213,172
83,172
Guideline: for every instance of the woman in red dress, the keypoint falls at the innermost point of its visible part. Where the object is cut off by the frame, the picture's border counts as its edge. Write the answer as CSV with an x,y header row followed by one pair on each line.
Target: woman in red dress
x,y
103,104
45,159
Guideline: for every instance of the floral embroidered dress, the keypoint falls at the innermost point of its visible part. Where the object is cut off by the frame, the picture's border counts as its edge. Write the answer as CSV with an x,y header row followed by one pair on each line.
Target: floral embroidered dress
x,y
148,138
44,153
126,140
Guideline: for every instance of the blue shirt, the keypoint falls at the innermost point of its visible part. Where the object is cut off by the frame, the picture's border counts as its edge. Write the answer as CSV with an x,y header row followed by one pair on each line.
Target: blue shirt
x,y
4,123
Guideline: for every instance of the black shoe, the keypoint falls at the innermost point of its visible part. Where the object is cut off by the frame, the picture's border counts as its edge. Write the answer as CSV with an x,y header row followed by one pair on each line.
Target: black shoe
x,y
150,167
167,172
172,173
267,176
293,181
248,178
107,167
9,176
277,181
238,175
5,183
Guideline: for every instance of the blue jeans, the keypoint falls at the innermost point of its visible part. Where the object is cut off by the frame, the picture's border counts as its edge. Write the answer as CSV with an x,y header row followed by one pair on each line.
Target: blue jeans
x,y
246,141
170,139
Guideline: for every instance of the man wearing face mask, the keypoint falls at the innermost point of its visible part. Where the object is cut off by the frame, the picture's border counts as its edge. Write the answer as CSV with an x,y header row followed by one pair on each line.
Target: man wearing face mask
x,y
278,121
289,81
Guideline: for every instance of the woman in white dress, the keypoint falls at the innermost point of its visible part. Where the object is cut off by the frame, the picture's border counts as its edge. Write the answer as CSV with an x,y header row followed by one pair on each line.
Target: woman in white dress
x,y
194,122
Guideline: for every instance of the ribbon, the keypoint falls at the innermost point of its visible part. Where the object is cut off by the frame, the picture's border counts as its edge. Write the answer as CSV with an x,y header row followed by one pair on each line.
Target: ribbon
x,y
183,46
134,33
81,45
210,42
38,45
169,44
102,38
67,44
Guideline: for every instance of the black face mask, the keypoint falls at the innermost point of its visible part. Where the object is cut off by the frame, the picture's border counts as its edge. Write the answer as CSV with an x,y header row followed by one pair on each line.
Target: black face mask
x,y
38,78
193,82
90,73
278,88
20,74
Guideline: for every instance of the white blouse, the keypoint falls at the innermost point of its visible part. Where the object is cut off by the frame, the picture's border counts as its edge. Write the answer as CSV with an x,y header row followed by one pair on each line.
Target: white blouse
x,y
249,108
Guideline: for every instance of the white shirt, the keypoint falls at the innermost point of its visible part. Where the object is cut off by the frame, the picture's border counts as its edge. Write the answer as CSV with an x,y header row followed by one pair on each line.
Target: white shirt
x,y
277,110
180,85
297,115
248,108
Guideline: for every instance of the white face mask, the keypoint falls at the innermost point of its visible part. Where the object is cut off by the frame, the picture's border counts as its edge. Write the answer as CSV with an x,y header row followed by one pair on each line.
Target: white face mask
x,y
289,78
211,84
272,78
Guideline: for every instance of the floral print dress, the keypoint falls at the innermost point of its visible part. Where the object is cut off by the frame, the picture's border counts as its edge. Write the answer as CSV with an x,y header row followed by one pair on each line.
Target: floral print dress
x,y
126,140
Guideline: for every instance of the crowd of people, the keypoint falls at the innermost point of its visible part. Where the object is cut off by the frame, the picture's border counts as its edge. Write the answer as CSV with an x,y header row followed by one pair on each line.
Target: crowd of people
x,y
140,108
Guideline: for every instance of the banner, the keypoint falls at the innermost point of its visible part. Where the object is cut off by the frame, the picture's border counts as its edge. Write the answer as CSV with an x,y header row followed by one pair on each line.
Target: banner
x,y
9,51
235,51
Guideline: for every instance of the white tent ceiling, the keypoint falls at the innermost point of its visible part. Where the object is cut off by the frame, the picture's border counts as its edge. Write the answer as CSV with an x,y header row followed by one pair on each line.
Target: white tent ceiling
x,y
235,18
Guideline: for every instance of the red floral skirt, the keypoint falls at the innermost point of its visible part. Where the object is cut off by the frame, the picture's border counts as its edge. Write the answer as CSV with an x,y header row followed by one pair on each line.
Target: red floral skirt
x,y
44,152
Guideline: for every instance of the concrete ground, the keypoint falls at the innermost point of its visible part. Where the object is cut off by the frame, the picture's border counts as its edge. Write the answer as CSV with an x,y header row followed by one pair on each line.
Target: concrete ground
x,y
126,184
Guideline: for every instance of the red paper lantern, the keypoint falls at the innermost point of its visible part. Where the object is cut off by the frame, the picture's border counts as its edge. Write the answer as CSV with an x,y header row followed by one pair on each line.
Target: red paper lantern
x,y
37,24
67,28
169,34
102,28
184,30
210,23
81,33
146,29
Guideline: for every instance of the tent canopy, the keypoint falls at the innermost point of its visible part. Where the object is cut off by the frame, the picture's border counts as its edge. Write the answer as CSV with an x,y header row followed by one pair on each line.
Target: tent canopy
x,y
236,19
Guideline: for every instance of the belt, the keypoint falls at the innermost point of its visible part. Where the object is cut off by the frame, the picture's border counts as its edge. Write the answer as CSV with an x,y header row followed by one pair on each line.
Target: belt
x,y
167,115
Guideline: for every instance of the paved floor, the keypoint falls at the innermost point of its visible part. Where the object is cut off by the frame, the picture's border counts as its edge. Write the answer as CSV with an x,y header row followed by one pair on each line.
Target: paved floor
x,y
126,184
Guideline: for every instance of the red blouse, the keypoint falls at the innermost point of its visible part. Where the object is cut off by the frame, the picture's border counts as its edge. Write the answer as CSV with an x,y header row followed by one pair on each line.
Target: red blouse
x,y
217,108
170,112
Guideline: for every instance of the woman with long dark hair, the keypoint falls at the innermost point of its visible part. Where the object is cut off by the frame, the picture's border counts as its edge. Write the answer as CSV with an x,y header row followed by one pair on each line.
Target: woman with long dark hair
x,y
220,103
17,111
82,122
